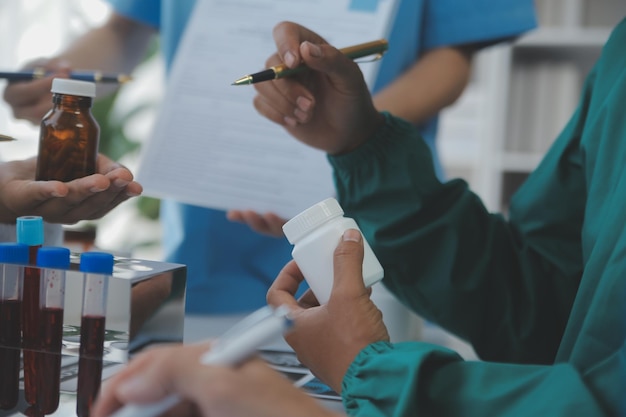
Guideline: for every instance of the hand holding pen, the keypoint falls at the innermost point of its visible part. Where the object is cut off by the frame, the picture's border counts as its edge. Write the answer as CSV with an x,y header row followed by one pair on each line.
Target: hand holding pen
x,y
374,49
28,90
167,364
32,100
328,107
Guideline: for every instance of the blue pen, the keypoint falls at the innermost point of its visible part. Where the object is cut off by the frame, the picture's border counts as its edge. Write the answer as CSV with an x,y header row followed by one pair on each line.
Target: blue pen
x,y
240,342
93,76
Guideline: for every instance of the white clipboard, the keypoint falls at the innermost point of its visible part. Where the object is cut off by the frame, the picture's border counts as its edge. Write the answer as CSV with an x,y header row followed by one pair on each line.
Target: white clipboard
x,y
209,146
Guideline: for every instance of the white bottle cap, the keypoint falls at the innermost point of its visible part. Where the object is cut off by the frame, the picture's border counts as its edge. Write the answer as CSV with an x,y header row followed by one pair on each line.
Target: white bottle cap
x,y
311,218
73,87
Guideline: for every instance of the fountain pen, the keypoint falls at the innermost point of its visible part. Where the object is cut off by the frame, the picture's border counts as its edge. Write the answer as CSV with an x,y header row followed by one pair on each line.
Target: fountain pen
x,y
375,48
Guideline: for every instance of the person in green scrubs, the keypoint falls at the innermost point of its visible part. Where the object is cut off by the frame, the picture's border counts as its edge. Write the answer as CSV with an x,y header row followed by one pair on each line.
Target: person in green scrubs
x,y
540,295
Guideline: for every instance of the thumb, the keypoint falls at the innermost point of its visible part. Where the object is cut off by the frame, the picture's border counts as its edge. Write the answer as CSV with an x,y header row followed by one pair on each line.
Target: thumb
x,y
348,265
342,71
59,65
58,68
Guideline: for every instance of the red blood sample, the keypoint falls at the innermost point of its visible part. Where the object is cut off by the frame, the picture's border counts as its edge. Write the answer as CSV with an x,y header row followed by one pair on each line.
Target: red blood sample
x,y
90,362
30,321
10,326
49,360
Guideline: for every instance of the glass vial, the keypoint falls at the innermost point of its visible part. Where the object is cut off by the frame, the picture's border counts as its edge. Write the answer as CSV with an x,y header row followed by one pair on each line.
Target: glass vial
x,y
315,234
69,134
30,233
97,267
54,262
12,258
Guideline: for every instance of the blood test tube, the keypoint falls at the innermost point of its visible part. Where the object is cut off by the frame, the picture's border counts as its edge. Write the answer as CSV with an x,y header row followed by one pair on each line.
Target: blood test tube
x,y
13,257
30,232
97,267
54,262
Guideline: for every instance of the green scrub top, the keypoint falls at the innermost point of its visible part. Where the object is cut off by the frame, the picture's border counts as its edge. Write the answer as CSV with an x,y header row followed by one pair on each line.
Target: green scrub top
x,y
541,295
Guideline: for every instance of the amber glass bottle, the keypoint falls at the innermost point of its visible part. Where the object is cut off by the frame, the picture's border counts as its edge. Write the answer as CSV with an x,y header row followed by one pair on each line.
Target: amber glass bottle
x,y
69,135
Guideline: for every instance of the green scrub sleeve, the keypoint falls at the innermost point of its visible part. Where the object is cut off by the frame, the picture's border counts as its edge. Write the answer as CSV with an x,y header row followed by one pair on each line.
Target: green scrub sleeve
x,y
418,379
505,284
432,237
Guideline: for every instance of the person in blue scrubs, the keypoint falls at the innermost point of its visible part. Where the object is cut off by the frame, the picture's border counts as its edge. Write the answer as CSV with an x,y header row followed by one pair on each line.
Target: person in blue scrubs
x,y
230,266
450,31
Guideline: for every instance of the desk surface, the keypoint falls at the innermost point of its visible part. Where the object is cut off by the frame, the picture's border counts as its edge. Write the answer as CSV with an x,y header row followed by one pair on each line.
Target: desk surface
x,y
197,328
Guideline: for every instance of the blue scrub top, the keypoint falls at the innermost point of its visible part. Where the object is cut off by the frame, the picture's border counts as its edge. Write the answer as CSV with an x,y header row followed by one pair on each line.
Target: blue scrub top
x,y
229,266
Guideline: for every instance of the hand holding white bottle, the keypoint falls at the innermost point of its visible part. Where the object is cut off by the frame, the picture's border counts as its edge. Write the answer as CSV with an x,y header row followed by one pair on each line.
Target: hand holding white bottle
x,y
315,234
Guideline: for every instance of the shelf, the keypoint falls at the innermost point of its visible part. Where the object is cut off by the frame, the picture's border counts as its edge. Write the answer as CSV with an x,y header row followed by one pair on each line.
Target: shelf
x,y
524,94
459,151
520,161
565,38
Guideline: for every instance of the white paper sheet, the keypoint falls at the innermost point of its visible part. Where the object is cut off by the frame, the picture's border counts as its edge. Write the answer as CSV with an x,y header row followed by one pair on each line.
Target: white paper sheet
x,y
209,146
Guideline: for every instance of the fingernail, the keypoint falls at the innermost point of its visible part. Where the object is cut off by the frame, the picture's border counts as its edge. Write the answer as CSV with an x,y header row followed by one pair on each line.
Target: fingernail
x,y
304,103
290,59
132,386
96,189
351,235
314,50
301,116
290,121
120,183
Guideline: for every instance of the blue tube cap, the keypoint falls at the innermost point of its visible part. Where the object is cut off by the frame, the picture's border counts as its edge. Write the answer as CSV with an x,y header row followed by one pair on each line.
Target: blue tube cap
x,y
53,257
30,230
14,253
96,263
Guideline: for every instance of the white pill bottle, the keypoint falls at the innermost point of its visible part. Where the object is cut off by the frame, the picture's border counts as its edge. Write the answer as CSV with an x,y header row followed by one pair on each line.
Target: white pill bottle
x,y
315,233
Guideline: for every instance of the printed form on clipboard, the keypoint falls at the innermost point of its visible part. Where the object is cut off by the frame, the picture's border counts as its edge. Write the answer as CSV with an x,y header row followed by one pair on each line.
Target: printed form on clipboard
x,y
209,146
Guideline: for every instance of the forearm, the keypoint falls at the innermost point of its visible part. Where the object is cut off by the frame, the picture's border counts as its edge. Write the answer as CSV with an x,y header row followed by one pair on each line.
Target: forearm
x,y
431,84
428,380
431,239
118,45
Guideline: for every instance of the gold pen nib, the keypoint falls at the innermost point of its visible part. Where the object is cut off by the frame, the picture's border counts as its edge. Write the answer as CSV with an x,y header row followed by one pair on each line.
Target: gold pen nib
x,y
123,78
6,138
243,80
